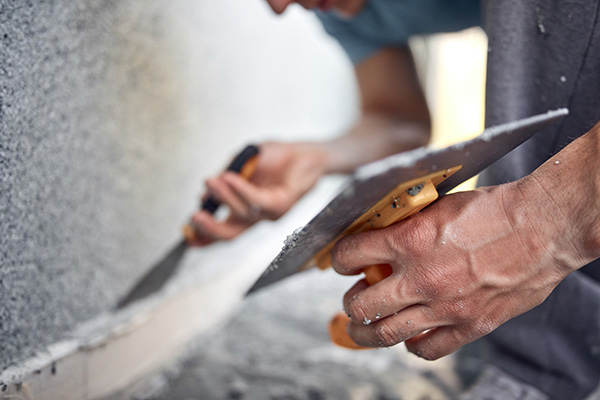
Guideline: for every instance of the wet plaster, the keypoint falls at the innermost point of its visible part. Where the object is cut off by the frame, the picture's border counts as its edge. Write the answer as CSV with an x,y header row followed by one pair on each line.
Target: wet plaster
x,y
111,115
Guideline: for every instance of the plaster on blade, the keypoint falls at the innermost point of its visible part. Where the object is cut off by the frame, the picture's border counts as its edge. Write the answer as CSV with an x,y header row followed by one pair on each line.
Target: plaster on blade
x,y
373,181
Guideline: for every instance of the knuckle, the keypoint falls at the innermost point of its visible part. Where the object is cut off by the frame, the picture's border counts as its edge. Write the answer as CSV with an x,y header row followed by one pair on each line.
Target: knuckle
x,y
432,283
429,354
481,327
241,212
385,335
422,350
340,255
459,310
356,311
417,236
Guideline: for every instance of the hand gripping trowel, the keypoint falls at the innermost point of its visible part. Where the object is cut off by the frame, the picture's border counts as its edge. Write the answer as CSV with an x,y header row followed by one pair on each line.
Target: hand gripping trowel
x,y
244,164
388,191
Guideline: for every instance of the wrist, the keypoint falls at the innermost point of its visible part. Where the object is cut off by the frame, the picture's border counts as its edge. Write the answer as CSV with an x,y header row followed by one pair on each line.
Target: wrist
x,y
314,156
537,218
561,199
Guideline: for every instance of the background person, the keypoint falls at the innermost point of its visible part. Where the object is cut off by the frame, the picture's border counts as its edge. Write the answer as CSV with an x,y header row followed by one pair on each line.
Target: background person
x,y
507,260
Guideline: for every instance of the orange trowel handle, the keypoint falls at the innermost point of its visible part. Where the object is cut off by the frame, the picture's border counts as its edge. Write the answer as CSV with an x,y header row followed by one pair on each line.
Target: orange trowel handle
x,y
403,203
339,323
245,164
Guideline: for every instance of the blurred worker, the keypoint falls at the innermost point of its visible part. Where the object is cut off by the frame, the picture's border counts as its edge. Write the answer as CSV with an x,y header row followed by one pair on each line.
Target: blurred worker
x,y
506,261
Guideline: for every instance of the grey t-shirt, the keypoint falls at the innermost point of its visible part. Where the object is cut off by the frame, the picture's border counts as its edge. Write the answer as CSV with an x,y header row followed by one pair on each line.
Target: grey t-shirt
x,y
542,55
545,55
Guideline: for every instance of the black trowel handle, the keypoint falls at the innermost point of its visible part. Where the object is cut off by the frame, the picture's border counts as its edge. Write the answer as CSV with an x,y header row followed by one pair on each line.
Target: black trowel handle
x,y
245,164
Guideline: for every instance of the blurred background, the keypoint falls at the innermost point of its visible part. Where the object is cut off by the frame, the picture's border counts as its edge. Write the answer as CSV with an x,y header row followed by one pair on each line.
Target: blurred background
x,y
112,114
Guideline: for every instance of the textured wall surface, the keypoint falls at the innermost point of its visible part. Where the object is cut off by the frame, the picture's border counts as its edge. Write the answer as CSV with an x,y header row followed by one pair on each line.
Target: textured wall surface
x,y
111,115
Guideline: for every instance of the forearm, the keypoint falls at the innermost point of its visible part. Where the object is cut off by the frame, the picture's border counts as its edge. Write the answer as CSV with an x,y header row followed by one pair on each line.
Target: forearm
x,y
562,198
374,137
394,117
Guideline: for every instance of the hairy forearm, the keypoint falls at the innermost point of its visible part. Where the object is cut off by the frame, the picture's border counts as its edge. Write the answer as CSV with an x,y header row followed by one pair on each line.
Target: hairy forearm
x,y
562,198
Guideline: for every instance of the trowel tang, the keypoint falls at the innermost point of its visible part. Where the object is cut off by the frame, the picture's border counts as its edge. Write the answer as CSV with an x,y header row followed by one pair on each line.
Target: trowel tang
x,y
406,199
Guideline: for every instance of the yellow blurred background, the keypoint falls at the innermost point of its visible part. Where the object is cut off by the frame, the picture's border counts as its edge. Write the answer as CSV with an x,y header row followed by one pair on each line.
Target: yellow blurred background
x,y
452,68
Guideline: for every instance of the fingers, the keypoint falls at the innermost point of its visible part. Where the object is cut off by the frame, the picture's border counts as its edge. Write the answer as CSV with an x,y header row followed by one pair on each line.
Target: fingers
x,y
352,253
246,191
223,192
436,343
245,200
373,303
209,230
393,329
262,202
447,339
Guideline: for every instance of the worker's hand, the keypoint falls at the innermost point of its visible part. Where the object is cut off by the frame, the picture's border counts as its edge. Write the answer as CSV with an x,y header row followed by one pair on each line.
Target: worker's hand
x,y
284,173
346,7
461,268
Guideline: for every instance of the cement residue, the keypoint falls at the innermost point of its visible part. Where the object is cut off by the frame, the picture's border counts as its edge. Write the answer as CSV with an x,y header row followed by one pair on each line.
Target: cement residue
x,y
291,240
406,159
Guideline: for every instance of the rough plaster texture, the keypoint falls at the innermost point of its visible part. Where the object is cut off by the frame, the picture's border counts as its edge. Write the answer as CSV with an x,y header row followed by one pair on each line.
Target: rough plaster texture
x,y
111,114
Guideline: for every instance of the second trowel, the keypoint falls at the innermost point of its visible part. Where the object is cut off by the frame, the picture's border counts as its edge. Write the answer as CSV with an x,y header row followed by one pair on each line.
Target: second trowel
x,y
244,164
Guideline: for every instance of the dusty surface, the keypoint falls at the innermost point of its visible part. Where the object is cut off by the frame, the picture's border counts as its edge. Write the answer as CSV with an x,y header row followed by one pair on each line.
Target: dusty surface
x,y
111,116
276,347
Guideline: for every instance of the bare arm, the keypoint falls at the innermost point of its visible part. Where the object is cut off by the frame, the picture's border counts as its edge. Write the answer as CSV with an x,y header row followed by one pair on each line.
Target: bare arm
x,y
394,115
473,260
394,118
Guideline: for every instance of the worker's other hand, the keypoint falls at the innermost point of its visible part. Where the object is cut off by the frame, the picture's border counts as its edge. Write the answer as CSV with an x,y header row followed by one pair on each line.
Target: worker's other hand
x,y
461,268
345,7
284,173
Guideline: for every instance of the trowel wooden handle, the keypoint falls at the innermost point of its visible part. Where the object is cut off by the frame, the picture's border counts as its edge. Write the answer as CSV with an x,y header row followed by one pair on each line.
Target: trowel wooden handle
x,y
403,203
244,164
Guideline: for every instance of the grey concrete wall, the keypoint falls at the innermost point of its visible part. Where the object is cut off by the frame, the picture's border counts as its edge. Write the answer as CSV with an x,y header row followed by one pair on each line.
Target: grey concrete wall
x,y
111,115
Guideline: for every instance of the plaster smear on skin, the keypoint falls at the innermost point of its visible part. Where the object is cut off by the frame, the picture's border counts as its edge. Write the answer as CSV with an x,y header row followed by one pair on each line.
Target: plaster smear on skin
x,y
448,235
